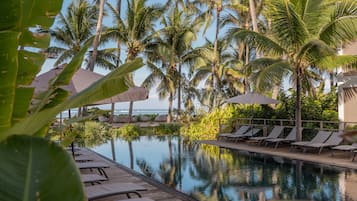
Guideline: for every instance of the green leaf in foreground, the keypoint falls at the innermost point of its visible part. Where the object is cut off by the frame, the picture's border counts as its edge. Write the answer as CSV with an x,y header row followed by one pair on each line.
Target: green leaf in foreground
x,y
33,168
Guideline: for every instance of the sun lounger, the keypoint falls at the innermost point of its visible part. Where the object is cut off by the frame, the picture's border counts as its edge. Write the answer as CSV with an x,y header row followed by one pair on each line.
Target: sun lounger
x,y
137,199
275,133
334,140
289,138
92,178
82,158
345,148
94,165
320,137
240,131
247,134
106,190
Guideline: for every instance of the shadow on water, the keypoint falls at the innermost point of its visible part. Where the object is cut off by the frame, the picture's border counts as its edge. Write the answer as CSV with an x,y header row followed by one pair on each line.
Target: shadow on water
x,y
211,173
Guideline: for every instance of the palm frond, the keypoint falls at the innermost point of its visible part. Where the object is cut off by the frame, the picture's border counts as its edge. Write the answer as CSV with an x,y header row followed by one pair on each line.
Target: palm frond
x,y
254,39
342,25
314,50
287,26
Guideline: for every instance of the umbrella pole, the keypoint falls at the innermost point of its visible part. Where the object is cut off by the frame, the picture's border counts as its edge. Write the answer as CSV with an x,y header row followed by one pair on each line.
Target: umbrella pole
x,y
72,144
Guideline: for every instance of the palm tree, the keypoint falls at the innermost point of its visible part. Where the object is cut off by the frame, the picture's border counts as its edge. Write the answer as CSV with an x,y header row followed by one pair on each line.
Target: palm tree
x,y
203,71
75,28
168,78
136,31
218,6
305,34
177,36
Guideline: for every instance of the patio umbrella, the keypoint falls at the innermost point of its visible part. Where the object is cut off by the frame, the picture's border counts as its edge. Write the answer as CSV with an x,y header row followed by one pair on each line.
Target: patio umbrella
x,y
83,79
252,98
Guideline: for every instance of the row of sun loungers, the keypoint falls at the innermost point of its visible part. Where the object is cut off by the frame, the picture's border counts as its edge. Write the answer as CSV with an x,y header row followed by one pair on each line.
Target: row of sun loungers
x,y
98,189
322,140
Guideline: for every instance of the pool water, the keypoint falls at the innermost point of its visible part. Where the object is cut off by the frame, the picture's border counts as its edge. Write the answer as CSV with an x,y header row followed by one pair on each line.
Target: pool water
x,y
210,173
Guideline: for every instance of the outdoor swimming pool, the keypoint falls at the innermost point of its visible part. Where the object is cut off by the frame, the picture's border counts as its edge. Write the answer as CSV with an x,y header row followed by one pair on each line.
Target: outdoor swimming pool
x,y
207,172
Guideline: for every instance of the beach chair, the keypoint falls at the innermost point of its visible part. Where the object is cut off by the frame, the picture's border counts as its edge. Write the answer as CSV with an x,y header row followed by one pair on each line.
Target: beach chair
x,y
289,138
334,140
92,178
137,199
94,165
275,133
106,190
344,148
249,133
240,131
83,158
320,137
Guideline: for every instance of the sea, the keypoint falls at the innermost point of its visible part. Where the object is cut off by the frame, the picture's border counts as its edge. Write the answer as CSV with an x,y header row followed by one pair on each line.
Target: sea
x,y
120,111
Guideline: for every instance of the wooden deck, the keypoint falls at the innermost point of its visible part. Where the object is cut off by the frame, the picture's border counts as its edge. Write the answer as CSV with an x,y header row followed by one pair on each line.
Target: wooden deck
x,y
340,159
118,173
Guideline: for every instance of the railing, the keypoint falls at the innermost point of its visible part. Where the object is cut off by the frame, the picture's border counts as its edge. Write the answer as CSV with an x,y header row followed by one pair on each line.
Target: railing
x,y
314,124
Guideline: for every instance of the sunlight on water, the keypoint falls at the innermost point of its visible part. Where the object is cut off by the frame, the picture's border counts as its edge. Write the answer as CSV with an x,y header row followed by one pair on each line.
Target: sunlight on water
x,y
209,173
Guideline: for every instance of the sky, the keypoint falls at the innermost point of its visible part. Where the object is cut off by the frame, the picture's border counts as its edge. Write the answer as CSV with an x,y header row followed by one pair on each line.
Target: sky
x,y
153,102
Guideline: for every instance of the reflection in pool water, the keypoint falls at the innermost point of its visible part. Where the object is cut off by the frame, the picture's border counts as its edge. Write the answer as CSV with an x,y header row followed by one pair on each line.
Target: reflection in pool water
x,y
211,173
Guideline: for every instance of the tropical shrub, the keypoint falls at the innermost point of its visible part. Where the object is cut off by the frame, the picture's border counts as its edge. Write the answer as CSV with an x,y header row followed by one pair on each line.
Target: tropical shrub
x,y
209,126
91,133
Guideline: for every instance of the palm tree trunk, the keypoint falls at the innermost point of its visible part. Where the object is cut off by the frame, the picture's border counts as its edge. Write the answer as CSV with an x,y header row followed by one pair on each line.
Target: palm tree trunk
x,y
298,105
179,91
97,36
169,116
253,15
215,51
131,105
246,79
118,42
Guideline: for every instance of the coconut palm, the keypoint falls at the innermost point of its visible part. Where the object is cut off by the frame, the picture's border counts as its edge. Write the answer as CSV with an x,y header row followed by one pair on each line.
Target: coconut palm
x,y
75,28
177,36
204,60
304,35
168,78
135,31
217,6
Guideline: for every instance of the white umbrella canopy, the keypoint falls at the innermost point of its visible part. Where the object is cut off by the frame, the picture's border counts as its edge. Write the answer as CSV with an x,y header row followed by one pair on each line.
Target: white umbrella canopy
x,y
252,98
83,79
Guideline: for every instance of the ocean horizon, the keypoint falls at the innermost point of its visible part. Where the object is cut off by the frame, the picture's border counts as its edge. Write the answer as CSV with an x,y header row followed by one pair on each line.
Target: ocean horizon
x,y
121,111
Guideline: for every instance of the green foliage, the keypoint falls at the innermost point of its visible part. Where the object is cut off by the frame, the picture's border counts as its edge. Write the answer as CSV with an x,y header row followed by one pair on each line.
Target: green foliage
x,y
92,133
30,165
167,129
208,126
128,132
330,115
319,107
33,168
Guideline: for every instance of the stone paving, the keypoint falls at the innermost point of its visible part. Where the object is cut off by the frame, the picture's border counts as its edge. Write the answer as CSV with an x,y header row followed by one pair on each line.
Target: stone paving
x,y
339,159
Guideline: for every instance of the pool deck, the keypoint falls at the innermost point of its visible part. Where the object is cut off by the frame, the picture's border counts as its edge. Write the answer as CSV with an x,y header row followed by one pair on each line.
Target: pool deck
x,y
119,173
340,159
